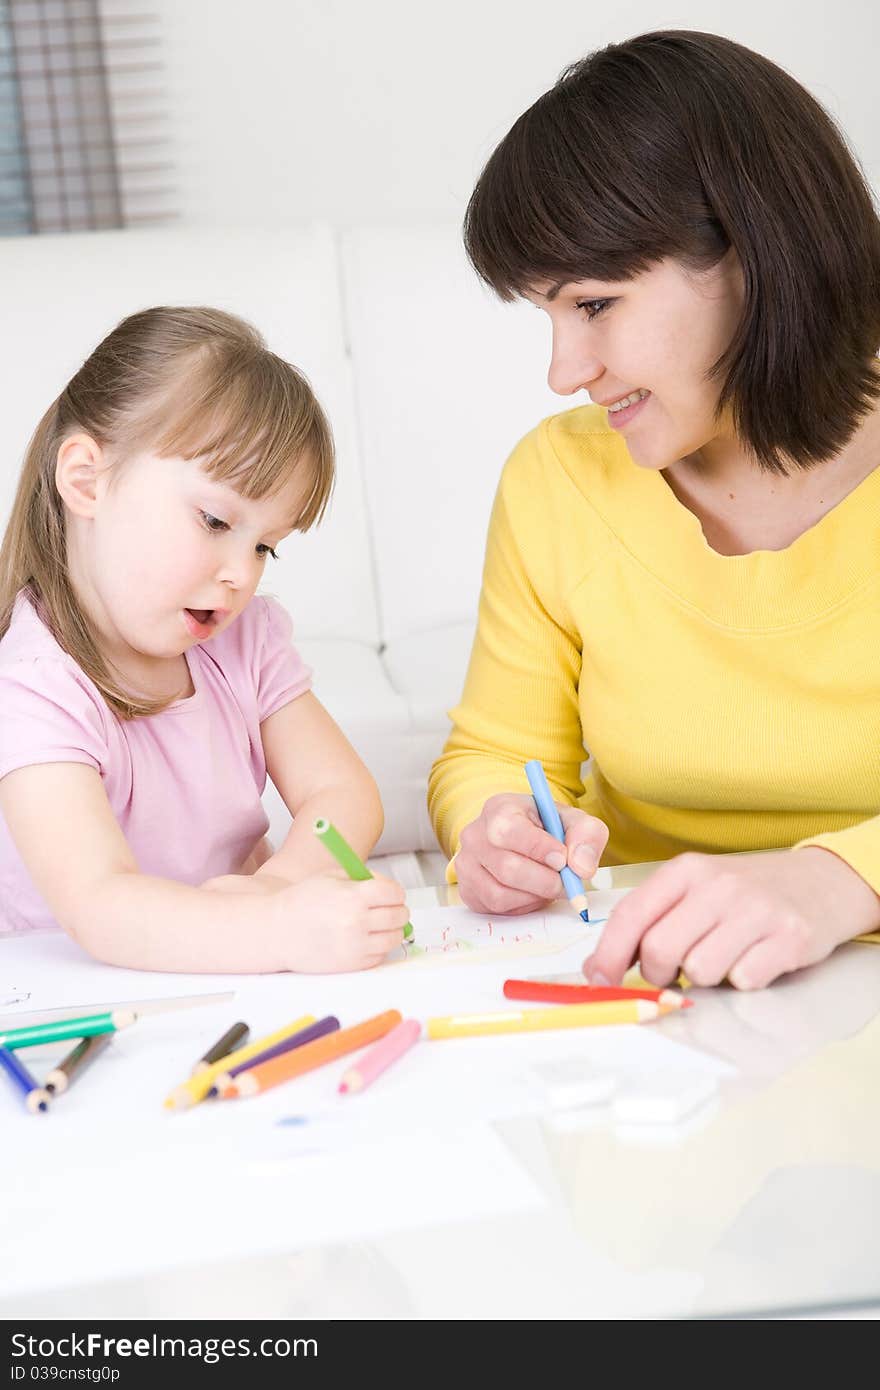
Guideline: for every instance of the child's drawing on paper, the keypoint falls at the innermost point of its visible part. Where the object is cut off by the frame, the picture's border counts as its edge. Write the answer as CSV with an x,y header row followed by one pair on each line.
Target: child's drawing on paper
x,y
11,994
453,934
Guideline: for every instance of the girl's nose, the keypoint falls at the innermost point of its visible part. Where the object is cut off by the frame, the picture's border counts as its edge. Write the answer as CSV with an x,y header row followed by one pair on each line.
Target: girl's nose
x,y
240,571
572,366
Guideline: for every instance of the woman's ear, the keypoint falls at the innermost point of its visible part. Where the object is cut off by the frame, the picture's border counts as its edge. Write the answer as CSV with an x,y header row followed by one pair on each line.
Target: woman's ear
x,y
78,467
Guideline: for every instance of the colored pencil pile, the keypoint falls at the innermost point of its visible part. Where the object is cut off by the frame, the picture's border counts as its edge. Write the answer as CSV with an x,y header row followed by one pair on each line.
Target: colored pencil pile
x,y
299,1047
234,1069
308,1043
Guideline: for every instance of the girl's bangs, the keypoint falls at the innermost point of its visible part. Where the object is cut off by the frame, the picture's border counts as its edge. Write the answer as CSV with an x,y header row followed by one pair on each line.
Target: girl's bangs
x,y
253,425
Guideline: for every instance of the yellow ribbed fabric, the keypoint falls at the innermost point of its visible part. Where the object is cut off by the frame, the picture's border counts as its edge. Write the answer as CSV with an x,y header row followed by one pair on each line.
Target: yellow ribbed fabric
x,y
729,702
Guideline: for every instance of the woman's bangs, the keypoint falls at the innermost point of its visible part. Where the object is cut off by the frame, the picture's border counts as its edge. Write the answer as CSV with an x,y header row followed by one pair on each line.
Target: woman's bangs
x,y
552,207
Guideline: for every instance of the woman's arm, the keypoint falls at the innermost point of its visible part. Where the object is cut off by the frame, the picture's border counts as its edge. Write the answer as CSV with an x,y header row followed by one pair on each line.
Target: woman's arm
x,y
71,843
520,699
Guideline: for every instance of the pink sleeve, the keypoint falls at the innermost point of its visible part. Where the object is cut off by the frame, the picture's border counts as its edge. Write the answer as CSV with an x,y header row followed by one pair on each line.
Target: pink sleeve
x,y
282,673
48,715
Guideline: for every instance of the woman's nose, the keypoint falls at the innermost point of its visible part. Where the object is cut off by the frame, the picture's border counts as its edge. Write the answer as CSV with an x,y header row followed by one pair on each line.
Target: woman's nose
x,y
572,367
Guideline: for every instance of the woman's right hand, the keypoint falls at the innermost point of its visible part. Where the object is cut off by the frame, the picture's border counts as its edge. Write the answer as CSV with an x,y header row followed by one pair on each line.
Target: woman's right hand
x,y
509,864
326,924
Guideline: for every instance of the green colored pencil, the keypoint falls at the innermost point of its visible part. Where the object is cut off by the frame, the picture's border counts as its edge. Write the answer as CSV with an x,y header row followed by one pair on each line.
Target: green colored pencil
x,y
85,1027
344,854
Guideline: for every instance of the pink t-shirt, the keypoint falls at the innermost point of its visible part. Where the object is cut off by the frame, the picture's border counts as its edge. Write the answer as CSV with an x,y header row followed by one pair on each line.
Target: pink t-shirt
x,y
185,784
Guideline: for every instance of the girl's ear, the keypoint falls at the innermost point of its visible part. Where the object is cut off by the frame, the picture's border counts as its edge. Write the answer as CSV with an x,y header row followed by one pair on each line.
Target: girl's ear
x,y
77,470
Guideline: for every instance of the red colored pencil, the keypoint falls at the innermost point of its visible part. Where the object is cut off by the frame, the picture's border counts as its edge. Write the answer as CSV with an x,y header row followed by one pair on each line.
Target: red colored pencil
x,y
589,994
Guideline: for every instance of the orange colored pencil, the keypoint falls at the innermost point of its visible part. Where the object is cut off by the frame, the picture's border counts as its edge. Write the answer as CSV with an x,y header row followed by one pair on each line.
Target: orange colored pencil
x,y
314,1054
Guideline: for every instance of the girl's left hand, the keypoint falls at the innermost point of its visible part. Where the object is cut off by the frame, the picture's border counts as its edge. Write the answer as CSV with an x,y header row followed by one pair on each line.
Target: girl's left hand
x,y
744,919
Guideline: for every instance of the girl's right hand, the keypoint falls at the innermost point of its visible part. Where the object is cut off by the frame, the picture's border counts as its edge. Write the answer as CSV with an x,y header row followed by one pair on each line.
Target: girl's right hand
x,y
509,864
325,924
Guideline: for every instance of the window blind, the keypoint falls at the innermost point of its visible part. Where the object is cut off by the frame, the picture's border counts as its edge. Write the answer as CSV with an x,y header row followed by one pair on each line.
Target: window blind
x,y
83,117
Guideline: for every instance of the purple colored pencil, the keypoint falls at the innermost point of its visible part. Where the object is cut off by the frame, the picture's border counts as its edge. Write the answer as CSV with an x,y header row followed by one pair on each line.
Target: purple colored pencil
x,y
305,1035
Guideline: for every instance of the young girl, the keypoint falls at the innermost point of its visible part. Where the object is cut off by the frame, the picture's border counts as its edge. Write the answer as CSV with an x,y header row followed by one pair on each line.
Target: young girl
x,y
682,578
145,691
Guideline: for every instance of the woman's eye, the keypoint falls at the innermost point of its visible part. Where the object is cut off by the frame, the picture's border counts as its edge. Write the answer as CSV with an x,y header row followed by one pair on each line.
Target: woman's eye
x,y
264,550
592,307
213,523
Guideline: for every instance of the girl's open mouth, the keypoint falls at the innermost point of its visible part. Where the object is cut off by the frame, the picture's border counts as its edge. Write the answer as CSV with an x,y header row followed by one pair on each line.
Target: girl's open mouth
x,y
200,621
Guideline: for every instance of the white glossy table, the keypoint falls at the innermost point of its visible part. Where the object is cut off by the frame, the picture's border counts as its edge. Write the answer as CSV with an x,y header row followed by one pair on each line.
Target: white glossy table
x,y
767,1203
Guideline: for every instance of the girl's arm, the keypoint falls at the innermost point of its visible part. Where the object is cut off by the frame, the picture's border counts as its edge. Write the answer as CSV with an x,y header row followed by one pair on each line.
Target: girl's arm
x,y
317,773
74,850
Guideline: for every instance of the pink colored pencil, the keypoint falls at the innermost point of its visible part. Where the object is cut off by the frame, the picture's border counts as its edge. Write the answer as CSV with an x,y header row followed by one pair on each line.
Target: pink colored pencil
x,y
381,1055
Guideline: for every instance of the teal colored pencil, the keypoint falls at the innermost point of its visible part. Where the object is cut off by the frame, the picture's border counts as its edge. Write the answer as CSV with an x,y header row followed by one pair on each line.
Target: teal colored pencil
x,y
84,1027
344,854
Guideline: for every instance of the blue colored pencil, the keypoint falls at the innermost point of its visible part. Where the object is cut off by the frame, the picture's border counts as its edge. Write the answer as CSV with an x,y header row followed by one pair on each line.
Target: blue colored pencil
x,y
35,1097
552,823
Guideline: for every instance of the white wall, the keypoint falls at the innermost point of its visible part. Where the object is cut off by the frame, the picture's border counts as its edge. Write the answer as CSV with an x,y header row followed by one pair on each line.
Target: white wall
x,y
385,110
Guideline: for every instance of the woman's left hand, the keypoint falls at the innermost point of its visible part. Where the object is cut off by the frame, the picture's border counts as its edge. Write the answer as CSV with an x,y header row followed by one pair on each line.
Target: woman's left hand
x,y
745,919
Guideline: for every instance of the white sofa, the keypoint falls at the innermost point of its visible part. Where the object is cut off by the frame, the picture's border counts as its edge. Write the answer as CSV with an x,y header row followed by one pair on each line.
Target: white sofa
x,y
428,382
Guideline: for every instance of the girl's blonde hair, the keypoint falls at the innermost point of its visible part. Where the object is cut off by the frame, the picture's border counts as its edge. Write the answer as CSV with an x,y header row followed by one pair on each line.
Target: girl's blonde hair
x,y
187,382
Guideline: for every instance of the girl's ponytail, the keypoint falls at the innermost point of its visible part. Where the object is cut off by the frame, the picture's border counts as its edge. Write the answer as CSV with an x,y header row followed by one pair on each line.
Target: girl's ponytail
x,y
33,558
36,522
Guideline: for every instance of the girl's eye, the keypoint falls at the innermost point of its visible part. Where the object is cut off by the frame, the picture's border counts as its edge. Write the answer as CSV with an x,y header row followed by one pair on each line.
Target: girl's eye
x,y
593,307
215,525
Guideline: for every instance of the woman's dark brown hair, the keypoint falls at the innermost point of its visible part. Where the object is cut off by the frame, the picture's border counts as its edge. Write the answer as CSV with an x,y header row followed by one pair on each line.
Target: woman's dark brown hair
x,y
682,144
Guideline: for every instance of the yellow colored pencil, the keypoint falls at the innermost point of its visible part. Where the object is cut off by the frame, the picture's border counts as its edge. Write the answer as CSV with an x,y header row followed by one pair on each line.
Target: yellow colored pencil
x,y
534,1020
195,1088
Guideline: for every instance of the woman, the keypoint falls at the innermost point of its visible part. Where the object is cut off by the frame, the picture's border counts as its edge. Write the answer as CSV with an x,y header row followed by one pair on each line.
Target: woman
x,y
683,578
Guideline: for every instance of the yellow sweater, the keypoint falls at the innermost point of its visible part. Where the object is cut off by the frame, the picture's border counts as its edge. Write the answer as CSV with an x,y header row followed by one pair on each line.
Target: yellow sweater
x,y
728,702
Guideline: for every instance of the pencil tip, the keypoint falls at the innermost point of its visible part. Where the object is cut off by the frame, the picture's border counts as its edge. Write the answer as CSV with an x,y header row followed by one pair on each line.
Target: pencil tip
x,y
585,915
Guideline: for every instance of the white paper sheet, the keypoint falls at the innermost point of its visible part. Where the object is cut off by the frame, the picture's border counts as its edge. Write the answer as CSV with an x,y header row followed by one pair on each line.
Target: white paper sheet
x,y
42,971
114,1184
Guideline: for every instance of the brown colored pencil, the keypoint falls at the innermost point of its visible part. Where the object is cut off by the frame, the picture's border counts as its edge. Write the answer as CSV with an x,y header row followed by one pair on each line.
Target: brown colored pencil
x,y
234,1037
86,1050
